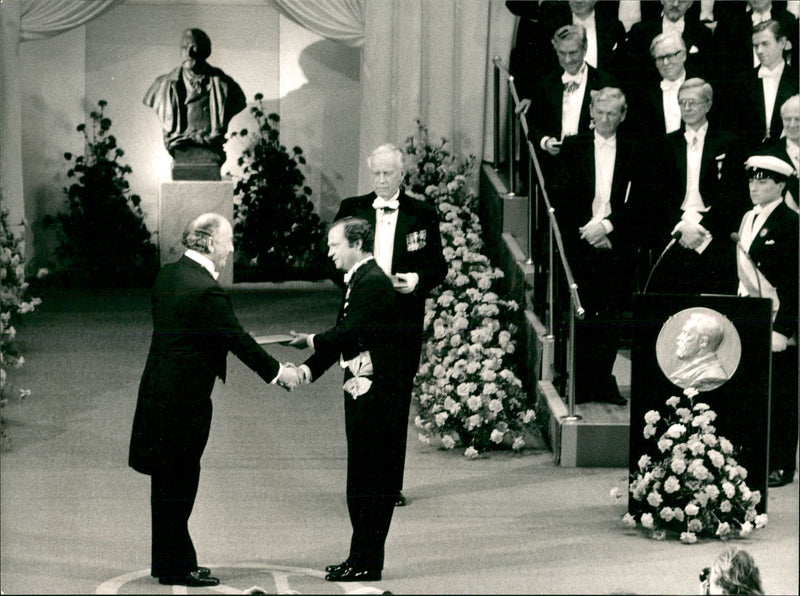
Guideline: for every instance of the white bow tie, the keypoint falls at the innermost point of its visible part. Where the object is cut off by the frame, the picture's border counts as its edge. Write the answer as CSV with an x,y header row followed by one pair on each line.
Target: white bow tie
x,y
766,73
670,26
348,276
760,17
388,204
611,143
669,85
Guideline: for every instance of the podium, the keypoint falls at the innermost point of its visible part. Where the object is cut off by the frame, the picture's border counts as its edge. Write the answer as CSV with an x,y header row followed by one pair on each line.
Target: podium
x,y
734,381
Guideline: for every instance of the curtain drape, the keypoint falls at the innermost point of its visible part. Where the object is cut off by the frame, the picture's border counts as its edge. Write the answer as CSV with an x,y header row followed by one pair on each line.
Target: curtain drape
x,y
40,19
340,20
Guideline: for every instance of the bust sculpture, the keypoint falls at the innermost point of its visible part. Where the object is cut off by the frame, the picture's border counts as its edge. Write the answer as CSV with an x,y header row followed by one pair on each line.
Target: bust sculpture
x,y
195,102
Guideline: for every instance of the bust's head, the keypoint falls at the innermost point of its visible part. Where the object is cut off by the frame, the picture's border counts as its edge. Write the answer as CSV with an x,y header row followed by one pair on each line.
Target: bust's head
x,y
195,48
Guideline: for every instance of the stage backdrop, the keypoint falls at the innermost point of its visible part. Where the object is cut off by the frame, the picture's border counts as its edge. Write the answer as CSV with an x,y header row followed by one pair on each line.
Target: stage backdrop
x,y
736,380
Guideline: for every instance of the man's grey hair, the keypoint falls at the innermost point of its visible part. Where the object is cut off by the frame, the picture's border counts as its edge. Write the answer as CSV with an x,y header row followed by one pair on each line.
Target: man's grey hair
x,y
697,83
665,37
610,94
792,102
202,228
391,150
568,32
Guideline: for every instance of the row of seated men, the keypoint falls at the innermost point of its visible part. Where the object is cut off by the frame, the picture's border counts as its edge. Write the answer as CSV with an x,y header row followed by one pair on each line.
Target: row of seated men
x,y
750,59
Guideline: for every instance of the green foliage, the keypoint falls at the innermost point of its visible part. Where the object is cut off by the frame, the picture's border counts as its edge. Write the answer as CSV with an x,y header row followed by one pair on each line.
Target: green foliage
x,y
14,302
277,234
103,240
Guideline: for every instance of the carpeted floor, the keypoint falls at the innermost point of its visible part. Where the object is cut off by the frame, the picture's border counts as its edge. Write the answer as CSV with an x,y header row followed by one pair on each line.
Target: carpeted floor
x,y
271,511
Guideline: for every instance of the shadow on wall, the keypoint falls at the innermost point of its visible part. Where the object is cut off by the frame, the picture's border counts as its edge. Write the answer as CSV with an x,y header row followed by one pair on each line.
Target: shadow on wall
x,y
323,118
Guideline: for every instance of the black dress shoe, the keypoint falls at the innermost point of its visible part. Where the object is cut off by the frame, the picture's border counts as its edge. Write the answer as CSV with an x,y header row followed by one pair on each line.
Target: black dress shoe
x,y
350,573
400,500
615,399
338,567
192,579
203,571
779,478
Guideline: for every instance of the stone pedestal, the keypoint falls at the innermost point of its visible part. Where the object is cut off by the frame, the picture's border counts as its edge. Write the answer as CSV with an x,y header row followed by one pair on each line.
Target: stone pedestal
x,y
197,163
180,203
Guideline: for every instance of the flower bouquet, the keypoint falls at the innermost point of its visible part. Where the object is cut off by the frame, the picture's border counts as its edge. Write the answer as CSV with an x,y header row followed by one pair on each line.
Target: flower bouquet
x,y
467,391
694,487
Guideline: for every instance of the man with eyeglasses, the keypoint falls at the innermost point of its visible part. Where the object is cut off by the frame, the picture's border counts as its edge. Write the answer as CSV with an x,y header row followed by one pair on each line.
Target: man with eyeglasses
x,y
697,38
701,180
768,234
767,87
657,112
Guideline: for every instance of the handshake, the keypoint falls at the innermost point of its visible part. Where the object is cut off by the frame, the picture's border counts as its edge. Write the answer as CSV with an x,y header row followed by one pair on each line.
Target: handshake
x,y
292,376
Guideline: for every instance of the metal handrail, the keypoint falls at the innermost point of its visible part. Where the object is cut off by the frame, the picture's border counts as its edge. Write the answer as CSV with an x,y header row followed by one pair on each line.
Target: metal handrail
x,y
576,309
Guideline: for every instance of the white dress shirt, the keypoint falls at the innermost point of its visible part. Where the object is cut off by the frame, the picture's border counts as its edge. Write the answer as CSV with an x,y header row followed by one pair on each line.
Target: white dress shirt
x,y
605,156
590,24
770,78
385,226
669,102
751,281
695,140
573,101
668,26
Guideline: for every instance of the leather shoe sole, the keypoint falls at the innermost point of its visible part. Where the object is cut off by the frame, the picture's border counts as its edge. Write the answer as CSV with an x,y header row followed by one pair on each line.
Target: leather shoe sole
x,y
400,500
192,580
353,574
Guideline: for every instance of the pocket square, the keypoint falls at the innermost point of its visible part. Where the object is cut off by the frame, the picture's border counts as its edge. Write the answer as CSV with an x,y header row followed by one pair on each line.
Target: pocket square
x,y
720,157
693,50
766,242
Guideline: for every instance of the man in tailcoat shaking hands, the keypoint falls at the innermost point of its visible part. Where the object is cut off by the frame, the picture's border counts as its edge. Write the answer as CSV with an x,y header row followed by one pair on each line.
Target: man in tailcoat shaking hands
x,y
194,328
365,341
408,247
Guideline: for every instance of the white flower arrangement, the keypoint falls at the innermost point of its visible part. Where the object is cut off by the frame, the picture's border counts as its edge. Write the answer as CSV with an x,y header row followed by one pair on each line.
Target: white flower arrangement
x,y
14,302
694,487
467,391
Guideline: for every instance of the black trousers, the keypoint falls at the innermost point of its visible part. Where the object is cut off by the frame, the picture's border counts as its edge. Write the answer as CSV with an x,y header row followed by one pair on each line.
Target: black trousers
x,y
172,497
374,469
783,417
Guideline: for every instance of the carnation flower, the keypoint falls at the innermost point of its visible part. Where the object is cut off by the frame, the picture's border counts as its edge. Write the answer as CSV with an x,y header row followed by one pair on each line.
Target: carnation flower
x,y
652,417
761,521
723,529
654,499
496,436
628,520
688,537
647,520
471,452
518,444
672,485
691,509
448,442
676,431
